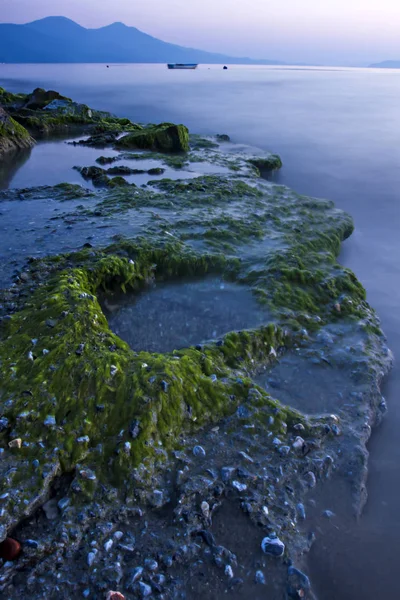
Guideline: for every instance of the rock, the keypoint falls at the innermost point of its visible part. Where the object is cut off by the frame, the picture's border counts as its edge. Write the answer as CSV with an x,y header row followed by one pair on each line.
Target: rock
x,y
13,136
199,451
298,583
108,545
151,565
268,163
229,571
40,98
17,443
83,440
226,473
91,557
310,479
273,545
9,549
156,498
114,596
260,578
223,137
134,429
50,421
328,514
165,137
50,509
301,511
284,450
3,424
298,444
144,589
240,487
205,509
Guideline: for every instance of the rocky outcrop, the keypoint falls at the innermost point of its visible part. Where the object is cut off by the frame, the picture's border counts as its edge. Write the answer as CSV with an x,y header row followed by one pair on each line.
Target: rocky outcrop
x,y
13,136
165,137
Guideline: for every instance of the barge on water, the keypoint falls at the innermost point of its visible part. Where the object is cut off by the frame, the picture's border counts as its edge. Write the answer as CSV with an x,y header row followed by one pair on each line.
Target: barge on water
x,y
182,66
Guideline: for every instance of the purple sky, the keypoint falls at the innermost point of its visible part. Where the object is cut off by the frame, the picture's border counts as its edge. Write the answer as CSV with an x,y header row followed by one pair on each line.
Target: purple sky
x,y
315,31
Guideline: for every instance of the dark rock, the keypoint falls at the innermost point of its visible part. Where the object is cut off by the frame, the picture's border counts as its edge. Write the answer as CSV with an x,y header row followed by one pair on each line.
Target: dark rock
x,y
273,545
134,429
9,549
163,138
298,583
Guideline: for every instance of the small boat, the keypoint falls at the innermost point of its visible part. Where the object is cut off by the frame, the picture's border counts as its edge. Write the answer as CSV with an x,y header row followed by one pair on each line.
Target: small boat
x,y
182,66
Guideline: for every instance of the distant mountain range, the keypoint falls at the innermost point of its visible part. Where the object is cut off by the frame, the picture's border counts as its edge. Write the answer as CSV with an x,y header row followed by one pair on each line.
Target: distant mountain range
x,y
60,40
386,64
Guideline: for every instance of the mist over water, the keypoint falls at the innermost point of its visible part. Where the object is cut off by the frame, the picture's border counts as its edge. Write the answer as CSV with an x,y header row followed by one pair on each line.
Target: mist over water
x,y
338,134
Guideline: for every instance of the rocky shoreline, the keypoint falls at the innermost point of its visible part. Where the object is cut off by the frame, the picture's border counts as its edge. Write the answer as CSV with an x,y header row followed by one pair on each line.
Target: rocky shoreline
x,y
188,473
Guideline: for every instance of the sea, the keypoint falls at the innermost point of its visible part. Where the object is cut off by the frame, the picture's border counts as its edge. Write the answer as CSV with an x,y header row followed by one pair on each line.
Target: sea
x,y
338,133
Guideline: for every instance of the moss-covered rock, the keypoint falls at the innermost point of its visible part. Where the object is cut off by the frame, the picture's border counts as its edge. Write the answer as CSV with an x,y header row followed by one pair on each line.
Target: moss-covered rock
x,y
12,135
165,137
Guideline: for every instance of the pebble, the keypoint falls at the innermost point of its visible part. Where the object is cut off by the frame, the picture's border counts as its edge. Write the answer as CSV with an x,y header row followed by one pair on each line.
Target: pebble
x,y
240,487
301,511
80,349
156,498
118,535
151,565
108,545
205,509
299,427
49,421
246,457
113,370
63,503
273,545
114,596
17,443
9,549
213,378
226,473
144,590
83,440
90,557
298,443
284,450
260,578
50,509
298,583
134,429
310,479
164,386
328,514
199,451
229,571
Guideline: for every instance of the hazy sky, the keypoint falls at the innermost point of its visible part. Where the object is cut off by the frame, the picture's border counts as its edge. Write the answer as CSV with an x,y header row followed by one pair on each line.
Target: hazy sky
x,y
315,31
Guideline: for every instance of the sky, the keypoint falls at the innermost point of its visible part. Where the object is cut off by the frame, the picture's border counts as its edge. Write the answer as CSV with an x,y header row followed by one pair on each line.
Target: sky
x,y
332,32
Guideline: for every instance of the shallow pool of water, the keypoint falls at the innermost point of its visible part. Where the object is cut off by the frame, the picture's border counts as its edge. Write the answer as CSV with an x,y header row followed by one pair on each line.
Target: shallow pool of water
x,y
169,316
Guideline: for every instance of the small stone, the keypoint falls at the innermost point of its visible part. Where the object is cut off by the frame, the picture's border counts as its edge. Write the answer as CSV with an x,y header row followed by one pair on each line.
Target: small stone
x,y
301,511
118,535
226,473
17,443
284,450
144,590
310,479
298,444
9,549
30,355
199,451
336,430
260,578
265,510
273,545
90,557
213,378
240,487
127,448
276,442
135,575
80,349
205,509
63,503
246,457
113,370
298,583
50,509
108,545
328,514
229,571
114,596
156,499
134,429
50,421
164,386
337,307
86,593
51,323
31,544
3,424
35,463
83,440
151,565
299,427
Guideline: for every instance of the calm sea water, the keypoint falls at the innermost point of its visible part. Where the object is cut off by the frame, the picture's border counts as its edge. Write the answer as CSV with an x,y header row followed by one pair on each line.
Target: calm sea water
x,y
338,132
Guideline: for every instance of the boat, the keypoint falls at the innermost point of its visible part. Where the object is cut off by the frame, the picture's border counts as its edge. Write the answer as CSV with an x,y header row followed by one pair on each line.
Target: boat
x,y
182,66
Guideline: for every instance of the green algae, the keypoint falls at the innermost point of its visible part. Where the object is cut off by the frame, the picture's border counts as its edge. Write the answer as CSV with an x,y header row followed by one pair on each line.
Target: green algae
x,y
165,137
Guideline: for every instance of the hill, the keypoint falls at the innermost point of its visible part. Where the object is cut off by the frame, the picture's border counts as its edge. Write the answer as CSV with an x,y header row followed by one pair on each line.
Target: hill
x,y
60,40
387,64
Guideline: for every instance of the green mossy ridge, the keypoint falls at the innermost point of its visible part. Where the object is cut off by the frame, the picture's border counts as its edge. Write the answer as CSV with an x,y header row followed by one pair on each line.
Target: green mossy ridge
x,y
165,137
65,313
13,136
7,98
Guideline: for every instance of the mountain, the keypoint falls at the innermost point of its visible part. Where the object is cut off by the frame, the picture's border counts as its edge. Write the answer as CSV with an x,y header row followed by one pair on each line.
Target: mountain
x,y
60,40
386,64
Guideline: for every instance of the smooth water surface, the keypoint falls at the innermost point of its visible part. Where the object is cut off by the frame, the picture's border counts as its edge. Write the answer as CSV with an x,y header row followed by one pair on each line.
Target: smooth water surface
x,y
338,132
175,315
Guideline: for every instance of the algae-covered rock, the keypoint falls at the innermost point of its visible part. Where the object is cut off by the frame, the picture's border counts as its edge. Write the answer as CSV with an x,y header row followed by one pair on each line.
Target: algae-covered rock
x,y
41,98
165,137
268,163
12,135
